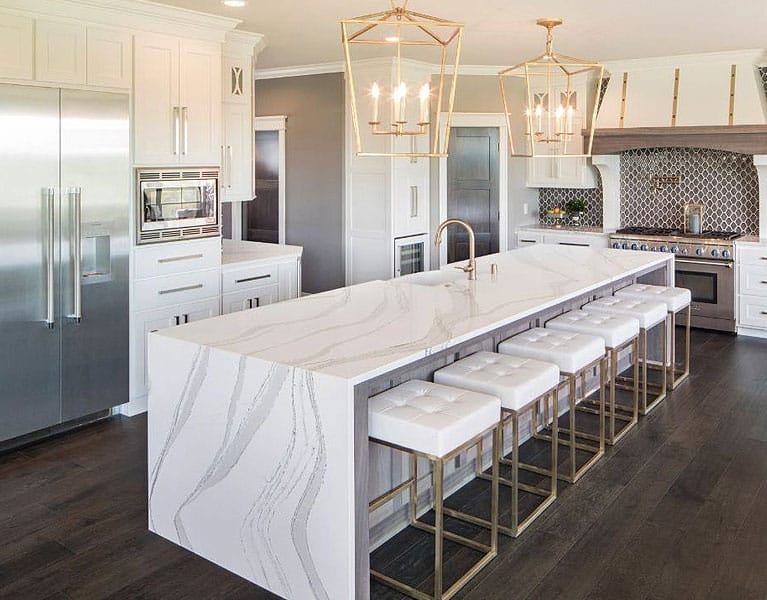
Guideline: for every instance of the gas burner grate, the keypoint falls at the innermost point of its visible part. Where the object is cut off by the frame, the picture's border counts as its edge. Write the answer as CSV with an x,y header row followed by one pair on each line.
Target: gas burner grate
x,y
668,231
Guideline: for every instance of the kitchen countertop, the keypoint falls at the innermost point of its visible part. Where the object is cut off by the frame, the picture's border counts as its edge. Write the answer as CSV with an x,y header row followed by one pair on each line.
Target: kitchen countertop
x,y
257,434
241,251
567,229
358,332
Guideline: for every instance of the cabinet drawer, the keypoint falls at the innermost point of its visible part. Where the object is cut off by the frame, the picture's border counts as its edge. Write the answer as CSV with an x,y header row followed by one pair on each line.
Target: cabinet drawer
x,y
156,261
753,280
752,255
252,276
753,311
247,299
175,289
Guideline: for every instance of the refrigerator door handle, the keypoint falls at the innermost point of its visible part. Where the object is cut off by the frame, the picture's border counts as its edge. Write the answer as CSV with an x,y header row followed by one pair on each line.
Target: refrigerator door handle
x,y
75,195
50,317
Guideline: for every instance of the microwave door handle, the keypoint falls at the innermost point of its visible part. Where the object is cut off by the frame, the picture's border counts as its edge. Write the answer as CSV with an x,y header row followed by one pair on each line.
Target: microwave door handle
x,y
50,196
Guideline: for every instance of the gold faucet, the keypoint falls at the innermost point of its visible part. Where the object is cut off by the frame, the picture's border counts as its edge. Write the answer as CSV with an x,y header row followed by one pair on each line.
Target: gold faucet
x,y
471,268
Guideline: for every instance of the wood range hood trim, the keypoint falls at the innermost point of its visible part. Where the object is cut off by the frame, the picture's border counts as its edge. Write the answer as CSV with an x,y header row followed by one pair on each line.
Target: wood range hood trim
x,y
745,139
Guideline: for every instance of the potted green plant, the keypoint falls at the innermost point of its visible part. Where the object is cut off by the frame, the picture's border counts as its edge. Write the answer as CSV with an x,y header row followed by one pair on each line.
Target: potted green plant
x,y
575,209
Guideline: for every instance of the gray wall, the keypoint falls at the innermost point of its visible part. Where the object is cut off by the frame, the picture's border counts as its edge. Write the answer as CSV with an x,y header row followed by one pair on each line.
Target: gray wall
x,y
481,94
314,150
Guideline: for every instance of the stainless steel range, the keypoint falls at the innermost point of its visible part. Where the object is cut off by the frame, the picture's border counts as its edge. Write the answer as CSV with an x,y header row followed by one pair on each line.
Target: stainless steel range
x,y
704,264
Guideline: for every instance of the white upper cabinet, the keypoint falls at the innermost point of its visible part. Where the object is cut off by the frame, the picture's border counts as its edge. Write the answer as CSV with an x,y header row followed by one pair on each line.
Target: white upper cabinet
x,y
200,100
60,52
157,118
110,57
237,161
17,47
177,101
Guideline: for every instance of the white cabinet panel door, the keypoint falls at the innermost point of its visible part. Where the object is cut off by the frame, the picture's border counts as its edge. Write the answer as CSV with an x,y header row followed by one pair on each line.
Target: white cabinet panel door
x,y
110,57
17,47
197,311
237,161
247,299
200,101
157,118
60,52
144,323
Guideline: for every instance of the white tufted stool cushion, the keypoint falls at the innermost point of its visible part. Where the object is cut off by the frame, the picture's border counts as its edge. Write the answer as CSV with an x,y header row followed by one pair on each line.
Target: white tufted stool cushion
x,y
515,380
430,418
614,329
675,298
648,312
570,351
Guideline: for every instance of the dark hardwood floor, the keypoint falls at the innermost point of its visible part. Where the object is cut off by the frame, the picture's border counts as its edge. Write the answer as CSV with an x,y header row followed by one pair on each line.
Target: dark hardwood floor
x,y
677,510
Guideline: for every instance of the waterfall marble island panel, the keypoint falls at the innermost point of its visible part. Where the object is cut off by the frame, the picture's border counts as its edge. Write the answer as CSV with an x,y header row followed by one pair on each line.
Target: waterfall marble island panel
x,y
258,419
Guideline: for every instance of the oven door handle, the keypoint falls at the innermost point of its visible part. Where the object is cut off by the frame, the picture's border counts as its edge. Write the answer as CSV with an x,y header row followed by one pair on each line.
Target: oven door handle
x,y
687,261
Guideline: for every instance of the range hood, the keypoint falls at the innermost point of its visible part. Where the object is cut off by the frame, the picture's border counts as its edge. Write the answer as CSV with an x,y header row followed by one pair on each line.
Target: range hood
x,y
716,101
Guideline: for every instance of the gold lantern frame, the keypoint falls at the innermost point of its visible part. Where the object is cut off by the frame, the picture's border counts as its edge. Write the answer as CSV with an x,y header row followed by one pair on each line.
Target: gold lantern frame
x,y
436,32
550,66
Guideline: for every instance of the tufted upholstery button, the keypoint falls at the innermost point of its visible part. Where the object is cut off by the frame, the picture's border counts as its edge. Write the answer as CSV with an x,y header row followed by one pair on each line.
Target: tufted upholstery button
x,y
430,418
675,298
517,381
615,329
570,351
648,312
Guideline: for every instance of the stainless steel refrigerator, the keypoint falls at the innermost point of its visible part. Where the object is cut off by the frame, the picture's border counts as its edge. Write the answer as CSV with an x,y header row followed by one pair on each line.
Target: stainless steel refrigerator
x,y
64,245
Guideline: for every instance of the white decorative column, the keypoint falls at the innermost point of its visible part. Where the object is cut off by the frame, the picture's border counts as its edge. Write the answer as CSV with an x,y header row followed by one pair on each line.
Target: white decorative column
x,y
609,166
760,162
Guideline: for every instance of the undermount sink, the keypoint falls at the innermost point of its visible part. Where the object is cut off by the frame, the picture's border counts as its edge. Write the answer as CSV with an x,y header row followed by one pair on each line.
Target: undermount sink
x,y
435,277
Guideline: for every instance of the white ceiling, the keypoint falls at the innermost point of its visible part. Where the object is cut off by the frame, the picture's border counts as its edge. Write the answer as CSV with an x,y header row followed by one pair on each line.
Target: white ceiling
x,y
503,32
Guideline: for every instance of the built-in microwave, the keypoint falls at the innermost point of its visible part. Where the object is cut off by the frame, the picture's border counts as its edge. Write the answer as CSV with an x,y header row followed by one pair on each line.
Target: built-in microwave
x,y
175,204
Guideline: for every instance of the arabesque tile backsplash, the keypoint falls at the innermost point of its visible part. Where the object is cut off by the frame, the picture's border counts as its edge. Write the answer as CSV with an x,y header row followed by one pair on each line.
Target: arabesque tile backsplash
x,y
726,184
657,182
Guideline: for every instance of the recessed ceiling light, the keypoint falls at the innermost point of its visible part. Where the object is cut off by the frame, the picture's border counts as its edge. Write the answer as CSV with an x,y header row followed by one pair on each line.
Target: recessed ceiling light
x,y
234,3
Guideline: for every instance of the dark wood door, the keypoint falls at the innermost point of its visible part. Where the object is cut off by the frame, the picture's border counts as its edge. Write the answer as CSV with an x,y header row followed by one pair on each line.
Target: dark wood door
x,y
472,190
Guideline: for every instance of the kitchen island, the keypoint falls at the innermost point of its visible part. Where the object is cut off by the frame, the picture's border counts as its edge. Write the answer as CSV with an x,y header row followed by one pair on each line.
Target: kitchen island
x,y
258,450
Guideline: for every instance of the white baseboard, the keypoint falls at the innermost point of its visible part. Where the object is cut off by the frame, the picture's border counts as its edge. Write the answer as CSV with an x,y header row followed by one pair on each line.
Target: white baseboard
x,y
135,407
753,332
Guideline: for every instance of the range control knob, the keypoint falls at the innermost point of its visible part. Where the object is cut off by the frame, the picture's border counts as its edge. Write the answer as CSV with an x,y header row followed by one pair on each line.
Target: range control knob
x,y
654,248
634,246
643,247
715,253
616,245
725,254
699,252
664,248
675,250
625,246
684,251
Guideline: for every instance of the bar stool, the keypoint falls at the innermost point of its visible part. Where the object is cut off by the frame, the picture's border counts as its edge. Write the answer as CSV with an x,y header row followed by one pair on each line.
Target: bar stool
x,y
521,384
437,423
677,300
650,315
619,333
575,354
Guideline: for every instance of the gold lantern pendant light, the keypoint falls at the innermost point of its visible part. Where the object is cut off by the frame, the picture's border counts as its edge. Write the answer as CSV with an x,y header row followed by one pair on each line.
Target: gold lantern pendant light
x,y
551,102
401,65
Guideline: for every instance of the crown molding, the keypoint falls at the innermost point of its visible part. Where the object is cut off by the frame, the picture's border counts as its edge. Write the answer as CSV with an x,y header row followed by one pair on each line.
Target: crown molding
x,y
338,67
240,42
141,15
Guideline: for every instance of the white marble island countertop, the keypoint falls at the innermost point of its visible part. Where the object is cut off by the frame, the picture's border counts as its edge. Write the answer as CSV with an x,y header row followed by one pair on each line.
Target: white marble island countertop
x,y
242,251
359,332
257,437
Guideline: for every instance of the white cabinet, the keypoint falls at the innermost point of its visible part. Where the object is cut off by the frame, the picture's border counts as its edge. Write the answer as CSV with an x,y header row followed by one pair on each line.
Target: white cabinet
x,y
752,289
109,58
60,52
177,101
251,285
526,237
560,172
17,47
147,321
237,172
